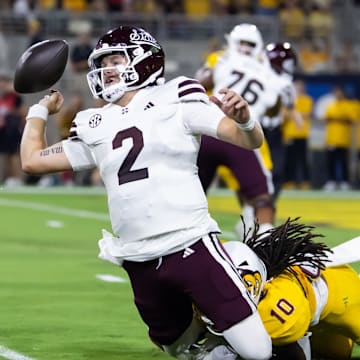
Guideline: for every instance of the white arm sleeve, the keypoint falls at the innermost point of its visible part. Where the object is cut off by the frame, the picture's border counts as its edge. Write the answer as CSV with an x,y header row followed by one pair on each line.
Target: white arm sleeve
x,y
79,155
201,118
304,343
249,338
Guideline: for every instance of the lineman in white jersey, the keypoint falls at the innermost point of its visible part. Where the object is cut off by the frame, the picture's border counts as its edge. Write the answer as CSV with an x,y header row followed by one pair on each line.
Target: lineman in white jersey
x,y
247,76
240,68
145,144
282,59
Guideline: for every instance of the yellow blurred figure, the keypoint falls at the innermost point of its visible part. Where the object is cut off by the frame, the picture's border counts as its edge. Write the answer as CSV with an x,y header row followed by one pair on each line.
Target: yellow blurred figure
x,y
295,137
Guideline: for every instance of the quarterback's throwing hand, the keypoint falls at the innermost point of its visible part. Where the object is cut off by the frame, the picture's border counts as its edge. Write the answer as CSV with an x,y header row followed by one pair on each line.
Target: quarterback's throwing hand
x,y
53,102
233,105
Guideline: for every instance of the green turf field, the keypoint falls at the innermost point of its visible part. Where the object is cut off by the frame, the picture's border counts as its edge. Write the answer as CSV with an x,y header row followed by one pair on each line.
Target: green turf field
x,y
53,306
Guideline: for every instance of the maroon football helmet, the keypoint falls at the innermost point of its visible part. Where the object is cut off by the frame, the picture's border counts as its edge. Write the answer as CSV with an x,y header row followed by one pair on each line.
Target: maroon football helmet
x,y
145,60
282,57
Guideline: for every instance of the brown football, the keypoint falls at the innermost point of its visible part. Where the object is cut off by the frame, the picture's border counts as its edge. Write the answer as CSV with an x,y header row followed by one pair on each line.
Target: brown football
x,y
41,66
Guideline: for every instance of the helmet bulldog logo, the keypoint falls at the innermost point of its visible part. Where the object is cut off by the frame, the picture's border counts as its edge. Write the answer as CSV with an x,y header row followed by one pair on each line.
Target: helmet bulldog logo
x,y
142,37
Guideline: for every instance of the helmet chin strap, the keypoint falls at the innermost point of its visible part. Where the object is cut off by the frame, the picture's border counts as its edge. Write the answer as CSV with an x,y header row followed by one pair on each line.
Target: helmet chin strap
x,y
113,93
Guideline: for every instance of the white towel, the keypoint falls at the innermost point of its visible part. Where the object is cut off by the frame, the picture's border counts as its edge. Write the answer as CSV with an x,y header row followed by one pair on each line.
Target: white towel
x,y
105,244
345,253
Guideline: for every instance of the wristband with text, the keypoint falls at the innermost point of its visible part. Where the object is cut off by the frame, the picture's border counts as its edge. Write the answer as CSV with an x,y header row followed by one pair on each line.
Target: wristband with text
x,y
38,111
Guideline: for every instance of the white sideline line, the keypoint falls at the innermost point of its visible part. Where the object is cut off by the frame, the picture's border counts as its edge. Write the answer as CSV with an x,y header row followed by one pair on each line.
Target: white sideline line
x,y
110,278
72,212
54,190
12,355
54,209
100,190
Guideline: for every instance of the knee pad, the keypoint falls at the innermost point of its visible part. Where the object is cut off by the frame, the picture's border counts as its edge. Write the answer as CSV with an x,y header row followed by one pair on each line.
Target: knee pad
x,y
263,203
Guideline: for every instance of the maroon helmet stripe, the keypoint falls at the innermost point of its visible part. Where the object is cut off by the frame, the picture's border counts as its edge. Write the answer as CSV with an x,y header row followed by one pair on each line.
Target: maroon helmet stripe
x,y
190,91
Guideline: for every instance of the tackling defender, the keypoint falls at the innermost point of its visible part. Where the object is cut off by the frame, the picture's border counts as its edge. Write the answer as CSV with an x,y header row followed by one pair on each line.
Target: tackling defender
x,y
308,296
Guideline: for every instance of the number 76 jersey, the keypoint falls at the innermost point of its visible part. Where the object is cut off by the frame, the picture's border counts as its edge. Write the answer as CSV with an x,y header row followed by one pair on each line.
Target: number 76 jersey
x,y
250,78
146,153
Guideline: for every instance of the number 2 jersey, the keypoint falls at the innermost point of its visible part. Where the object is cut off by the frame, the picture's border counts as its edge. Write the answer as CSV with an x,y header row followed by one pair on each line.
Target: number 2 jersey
x,y
146,153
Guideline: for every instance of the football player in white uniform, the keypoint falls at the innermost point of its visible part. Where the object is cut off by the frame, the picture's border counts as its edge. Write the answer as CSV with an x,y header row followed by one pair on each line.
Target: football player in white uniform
x,y
145,143
240,68
281,57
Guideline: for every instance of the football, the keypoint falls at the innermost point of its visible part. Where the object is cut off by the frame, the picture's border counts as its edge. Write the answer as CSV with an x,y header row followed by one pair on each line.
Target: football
x,y
41,66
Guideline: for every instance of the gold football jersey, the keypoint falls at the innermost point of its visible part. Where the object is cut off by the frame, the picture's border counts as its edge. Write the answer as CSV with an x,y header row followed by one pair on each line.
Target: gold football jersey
x,y
289,305
285,308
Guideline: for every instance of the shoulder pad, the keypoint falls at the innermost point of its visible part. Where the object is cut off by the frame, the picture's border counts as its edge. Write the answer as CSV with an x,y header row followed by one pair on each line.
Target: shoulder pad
x,y
81,121
188,89
310,270
284,310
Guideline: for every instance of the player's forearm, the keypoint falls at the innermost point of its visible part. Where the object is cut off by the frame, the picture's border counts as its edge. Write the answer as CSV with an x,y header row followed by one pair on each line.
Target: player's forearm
x,y
248,138
32,142
251,139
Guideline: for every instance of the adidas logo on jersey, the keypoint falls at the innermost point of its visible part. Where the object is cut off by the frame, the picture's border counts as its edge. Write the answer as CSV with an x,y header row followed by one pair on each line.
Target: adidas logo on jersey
x,y
187,252
149,105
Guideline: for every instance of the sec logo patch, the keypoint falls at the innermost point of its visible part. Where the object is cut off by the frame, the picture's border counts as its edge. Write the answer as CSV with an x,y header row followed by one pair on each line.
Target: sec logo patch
x,y
95,120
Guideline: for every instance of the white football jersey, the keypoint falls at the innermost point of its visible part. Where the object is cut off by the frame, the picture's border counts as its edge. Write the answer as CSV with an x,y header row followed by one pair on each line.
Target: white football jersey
x,y
283,86
248,77
146,153
287,89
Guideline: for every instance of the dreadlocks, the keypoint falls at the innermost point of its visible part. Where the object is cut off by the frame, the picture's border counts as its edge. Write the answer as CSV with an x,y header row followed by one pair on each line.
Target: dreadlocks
x,y
288,244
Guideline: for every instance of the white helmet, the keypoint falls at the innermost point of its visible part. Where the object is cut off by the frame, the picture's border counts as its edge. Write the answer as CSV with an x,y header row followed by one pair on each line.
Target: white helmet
x,y
250,267
246,39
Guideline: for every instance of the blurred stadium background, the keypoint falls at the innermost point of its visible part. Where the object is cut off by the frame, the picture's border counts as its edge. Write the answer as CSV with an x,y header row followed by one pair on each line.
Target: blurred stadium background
x,y
323,32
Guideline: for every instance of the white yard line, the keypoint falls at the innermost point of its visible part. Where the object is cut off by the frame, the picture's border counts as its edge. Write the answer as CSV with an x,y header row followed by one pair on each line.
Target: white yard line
x,y
110,278
53,209
100,190
72,212
12,355
54,190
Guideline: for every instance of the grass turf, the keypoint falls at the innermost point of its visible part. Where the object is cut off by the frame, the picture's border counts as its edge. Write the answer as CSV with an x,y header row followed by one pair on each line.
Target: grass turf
x,y
52,304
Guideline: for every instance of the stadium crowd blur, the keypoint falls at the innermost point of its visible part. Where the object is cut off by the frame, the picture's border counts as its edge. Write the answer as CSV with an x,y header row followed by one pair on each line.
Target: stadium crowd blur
x,y
327,60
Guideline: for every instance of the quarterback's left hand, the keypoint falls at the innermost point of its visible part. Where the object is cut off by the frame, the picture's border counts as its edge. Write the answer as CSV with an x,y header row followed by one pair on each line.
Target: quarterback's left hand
x,y
233,105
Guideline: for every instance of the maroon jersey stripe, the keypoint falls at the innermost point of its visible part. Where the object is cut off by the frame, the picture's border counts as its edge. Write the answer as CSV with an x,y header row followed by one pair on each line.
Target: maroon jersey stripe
x,y
188,82
190,91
